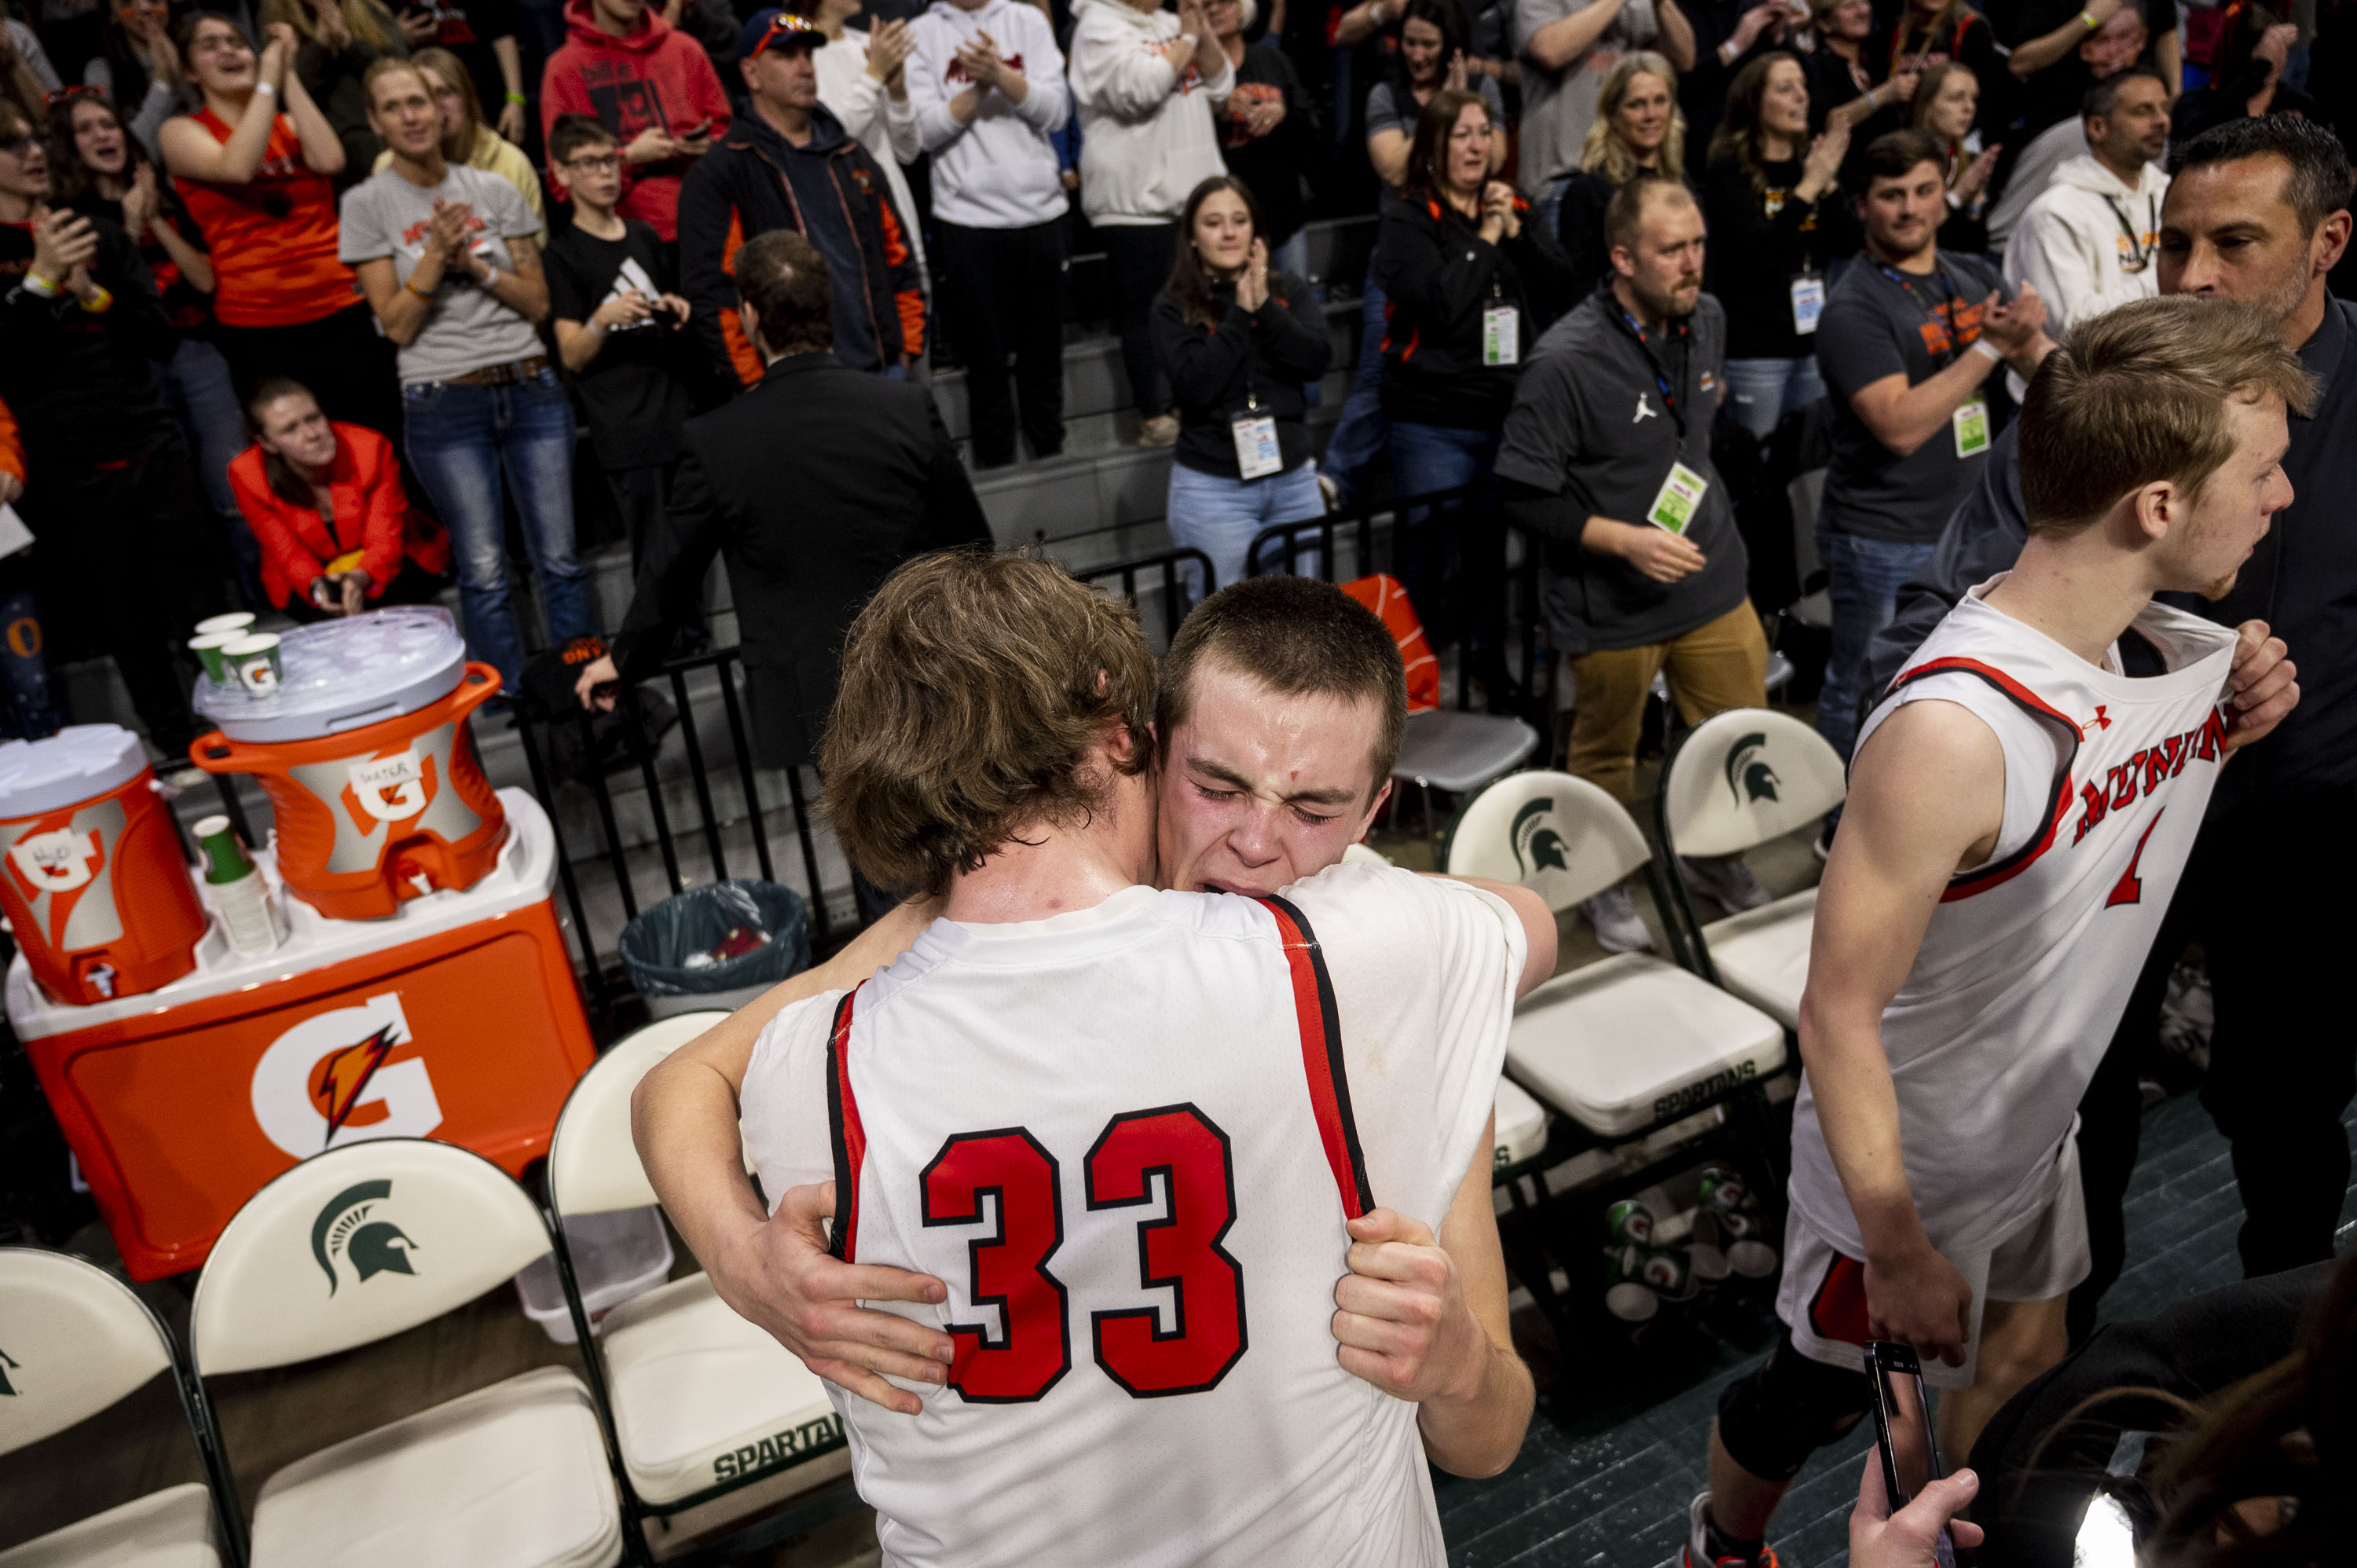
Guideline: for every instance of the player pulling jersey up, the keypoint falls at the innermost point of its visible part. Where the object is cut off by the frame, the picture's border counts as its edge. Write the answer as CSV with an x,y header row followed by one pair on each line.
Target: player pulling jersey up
x,y
1130,1129
2019,815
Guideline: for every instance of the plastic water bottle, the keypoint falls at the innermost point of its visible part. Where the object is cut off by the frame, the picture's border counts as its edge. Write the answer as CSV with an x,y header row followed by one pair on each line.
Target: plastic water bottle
x,y
235,888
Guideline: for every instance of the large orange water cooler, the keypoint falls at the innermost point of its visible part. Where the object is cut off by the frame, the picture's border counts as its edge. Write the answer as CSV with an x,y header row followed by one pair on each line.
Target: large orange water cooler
x,y
91,877
455,1017
363,748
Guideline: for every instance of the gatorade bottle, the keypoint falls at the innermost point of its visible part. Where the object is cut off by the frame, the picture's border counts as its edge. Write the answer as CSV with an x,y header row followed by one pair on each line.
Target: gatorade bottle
x,y
234,887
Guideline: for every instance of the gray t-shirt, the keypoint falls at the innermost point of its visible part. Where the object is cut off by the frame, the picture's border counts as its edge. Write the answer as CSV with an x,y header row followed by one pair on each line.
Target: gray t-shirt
x,y
1875,327
1591,420
1387,111
1558,106
468,328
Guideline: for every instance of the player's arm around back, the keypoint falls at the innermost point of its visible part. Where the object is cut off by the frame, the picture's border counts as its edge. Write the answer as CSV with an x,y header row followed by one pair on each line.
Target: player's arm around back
x,y
1426,1320
775,1272
1927,798
1538,928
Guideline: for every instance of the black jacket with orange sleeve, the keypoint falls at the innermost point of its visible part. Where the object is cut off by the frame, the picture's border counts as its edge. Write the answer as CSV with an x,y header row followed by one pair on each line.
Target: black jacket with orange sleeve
x,y
831,192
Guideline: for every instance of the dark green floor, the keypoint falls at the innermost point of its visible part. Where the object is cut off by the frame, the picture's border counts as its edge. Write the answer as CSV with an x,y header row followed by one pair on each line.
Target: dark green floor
x,y
1616,1451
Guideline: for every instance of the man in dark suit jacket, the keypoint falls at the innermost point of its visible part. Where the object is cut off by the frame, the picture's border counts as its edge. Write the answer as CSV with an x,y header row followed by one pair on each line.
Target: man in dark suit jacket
x,y
816,485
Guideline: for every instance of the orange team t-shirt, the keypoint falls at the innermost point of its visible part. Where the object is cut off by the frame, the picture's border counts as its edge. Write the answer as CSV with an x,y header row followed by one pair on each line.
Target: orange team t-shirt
x,y
272,239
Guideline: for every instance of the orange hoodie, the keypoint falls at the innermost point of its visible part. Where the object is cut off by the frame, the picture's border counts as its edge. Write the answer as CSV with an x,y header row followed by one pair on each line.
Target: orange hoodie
x,y
12,446
656,79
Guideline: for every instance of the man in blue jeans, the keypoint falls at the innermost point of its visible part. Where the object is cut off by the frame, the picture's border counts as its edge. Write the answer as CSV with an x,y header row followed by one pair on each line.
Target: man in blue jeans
x,y
449,259
1908,345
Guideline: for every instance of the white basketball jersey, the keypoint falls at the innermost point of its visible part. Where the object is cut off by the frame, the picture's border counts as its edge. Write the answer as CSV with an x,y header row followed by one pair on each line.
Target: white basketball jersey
x,y
1128,1139
2028,961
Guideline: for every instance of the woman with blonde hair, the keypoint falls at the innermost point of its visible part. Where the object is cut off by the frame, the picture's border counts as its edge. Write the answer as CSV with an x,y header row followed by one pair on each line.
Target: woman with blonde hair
x,y
467,138
1947,102
339,40
1637,127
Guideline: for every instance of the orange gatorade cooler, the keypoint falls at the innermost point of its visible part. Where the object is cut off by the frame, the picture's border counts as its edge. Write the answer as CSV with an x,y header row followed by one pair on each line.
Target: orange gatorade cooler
x,y
90,873
363,749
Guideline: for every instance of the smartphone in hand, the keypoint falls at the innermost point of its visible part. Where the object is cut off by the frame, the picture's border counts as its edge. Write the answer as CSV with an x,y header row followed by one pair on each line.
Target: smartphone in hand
x,y
1902,1432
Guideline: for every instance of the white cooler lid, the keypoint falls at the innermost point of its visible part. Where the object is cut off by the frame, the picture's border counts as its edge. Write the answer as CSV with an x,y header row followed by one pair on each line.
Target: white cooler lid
x,y
78,763
345,674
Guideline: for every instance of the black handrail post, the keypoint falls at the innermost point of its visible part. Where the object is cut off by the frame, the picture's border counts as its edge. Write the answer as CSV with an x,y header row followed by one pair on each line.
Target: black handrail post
x,y
696,771
721,662
819,922
637,736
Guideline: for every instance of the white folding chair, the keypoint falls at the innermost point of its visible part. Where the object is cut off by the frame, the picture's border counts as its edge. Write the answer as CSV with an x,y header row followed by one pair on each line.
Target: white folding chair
x,y
74,1340
355,1245
1731,783
1633,1041
714,1419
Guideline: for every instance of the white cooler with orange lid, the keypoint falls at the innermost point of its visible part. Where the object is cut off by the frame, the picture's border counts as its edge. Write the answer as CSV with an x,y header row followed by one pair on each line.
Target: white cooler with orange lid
x,y
364,751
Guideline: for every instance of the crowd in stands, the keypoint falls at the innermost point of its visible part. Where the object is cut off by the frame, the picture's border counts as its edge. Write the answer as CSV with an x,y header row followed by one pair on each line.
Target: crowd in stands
x,y
289,279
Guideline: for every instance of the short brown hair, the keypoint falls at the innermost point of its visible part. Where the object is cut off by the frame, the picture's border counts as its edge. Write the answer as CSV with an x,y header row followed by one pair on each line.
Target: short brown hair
x,y
1895,154
1624,215
973,686
1299,637
568,134
388,65
2138,395
785,280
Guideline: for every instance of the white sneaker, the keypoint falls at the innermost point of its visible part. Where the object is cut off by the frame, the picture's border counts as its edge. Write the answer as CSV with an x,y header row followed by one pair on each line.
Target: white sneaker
x,y
1613,913
1727,883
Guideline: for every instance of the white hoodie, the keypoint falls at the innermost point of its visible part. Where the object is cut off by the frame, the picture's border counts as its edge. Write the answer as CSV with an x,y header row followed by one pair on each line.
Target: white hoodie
x,y
2089,241
999,171
885,126
1145,142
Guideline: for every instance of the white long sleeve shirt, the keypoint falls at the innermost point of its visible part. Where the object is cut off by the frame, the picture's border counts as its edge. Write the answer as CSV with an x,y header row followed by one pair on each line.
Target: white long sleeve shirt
x,y
872,117
1147,136
998,170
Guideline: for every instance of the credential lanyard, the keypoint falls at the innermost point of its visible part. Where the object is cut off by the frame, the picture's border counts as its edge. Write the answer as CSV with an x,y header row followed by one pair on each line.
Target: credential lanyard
x,y
1945,316
1661,378
2140,253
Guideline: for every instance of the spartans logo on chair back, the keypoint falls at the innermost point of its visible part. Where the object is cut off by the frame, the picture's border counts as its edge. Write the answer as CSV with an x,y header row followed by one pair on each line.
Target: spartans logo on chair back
x,y
345,1232
1748,777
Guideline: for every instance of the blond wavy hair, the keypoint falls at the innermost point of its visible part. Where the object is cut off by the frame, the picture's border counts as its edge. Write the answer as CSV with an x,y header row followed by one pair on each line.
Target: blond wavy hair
x,y
1607,154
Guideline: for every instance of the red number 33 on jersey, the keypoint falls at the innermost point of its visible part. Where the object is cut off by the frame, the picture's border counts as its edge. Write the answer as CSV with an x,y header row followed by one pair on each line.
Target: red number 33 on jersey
x,y
1181,1250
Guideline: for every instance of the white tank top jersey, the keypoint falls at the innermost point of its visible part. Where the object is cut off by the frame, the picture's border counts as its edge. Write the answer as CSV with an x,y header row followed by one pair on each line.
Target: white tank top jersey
x,y
2030,958
1128,1139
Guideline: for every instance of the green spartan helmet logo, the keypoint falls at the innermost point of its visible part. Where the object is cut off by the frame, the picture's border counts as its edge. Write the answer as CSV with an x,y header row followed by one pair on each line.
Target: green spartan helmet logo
x,y
371,1246
1536,844
1748,777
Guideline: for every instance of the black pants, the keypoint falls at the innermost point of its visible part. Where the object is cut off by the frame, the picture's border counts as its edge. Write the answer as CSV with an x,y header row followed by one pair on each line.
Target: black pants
x,y
1002,293
126,559
1138,256
641,495
2282,1061
347,365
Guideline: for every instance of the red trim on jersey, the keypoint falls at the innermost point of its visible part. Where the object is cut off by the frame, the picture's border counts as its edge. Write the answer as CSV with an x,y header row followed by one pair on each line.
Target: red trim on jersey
x,y
2004,871
1838,1312
1322,1056
844,1127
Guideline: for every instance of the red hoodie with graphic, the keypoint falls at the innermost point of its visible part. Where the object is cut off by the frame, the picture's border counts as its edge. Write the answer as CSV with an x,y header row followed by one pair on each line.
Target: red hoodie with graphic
x,y
658,77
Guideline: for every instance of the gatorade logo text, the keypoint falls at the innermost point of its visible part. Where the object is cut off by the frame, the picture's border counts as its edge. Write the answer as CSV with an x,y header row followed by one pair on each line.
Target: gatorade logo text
x,y
341,1077
345,1233
391,788
57,861
1748,777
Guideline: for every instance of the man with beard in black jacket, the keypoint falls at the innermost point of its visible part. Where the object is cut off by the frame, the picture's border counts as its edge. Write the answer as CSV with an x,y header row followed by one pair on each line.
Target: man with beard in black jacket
x,y
2256,211
788,163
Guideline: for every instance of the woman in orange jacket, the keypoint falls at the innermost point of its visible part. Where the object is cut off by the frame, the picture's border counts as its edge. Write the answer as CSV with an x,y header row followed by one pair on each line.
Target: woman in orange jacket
x,y
327,506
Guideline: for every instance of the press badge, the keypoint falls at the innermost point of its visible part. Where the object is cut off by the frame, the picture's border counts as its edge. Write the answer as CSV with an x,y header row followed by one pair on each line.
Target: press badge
x,y
1257,454
1971,421
1808,302
1680,493
1502,336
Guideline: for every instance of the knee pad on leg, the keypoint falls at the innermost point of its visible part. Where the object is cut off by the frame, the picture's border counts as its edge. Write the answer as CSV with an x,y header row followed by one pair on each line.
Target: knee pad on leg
x,y
1772,1417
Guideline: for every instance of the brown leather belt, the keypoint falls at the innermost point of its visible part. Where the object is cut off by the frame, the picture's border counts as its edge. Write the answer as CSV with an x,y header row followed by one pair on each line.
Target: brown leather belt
x,y
505,375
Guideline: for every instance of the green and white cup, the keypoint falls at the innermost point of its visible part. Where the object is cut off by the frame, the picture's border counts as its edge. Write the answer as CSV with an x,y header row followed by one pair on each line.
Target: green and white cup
x,y
238,622
254,661
207,646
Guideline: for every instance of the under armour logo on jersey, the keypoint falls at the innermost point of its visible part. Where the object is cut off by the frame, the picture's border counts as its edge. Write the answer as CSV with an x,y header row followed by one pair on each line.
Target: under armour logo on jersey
x,y
2101,721
1644,411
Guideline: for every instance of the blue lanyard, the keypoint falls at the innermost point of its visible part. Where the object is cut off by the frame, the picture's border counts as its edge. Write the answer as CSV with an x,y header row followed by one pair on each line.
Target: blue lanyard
x,y
1661,380
1946,316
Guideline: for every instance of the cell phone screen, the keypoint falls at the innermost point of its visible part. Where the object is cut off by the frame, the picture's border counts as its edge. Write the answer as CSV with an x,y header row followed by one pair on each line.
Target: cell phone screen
x,y
1911,1431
